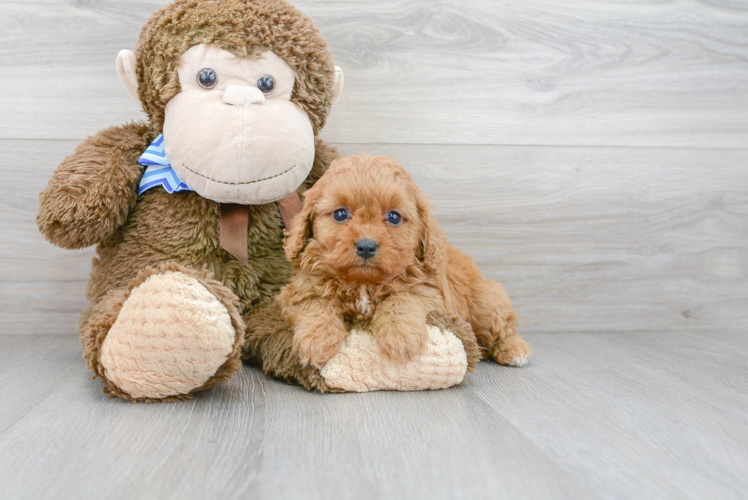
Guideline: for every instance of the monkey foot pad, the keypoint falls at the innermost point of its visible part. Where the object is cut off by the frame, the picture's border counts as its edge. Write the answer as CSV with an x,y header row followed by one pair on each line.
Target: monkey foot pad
x,y
359,367
171,337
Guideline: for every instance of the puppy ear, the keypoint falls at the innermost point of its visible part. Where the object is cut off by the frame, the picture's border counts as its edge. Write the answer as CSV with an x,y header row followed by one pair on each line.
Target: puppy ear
x,y
301,226
433,242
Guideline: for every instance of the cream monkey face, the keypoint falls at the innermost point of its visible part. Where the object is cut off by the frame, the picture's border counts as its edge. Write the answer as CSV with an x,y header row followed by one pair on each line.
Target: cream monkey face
x,y
233,134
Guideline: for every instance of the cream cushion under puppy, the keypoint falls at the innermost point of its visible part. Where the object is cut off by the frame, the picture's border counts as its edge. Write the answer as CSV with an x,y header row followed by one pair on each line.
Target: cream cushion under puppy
x,y
359,367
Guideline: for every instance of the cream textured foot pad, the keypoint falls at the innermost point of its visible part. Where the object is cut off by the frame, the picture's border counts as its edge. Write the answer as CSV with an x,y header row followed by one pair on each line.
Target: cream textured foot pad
x,y
170,337
359,367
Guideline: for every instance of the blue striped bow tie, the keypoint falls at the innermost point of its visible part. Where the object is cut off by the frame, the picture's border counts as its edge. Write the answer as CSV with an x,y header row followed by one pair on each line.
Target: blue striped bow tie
x,y
158,171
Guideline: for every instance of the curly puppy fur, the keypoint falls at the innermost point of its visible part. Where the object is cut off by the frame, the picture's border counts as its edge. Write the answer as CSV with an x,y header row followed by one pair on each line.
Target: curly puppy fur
x,y
270,346
414,271
92,197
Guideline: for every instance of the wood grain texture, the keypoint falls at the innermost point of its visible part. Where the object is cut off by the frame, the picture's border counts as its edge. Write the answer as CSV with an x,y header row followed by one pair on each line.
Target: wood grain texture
x,y
589,155
583,239
542,72
621,416
598,239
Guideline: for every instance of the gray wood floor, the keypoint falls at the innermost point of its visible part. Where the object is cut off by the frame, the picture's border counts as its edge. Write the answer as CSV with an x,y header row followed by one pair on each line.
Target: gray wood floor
x,y
591,156
595,415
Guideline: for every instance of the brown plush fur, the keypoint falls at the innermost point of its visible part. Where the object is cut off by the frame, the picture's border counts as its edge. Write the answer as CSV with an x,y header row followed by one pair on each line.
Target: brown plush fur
x,y
179,229
92,196
93,190
414,272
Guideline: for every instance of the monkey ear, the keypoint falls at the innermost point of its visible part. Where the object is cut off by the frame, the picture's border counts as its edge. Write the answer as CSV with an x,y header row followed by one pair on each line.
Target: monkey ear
x,y
338,84
126,72
301,226
433,242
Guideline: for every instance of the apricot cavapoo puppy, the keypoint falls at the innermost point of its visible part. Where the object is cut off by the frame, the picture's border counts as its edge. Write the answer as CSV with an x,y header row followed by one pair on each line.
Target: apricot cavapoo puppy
x,y
367,250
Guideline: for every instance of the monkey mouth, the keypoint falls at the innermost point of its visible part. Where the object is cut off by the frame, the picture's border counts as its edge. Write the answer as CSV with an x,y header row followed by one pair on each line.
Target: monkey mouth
x,y
239,183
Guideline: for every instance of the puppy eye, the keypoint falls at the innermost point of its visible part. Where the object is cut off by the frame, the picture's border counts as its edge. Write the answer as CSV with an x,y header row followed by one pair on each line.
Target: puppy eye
x,y
340,215
266,84
394,218
207,78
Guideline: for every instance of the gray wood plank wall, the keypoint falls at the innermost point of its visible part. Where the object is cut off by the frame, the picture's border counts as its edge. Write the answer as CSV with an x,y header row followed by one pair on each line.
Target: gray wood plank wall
x,y
592,156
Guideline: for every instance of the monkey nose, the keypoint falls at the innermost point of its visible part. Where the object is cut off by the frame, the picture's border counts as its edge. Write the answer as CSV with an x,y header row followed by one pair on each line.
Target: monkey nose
x,y
243,95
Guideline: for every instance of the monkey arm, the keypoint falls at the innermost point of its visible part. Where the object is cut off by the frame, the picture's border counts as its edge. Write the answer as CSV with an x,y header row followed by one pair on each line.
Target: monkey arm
x,y
92,191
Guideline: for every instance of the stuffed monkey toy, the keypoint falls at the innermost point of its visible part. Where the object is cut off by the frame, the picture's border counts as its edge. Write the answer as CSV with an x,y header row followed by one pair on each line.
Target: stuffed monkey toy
x,y
188,208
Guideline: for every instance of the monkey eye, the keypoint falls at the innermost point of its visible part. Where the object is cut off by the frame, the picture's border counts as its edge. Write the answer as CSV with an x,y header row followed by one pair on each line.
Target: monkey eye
x,y
394,218
340,215
207,78
266,84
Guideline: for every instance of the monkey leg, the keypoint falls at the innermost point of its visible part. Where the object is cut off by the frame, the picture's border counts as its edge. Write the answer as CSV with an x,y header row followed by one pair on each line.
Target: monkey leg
x,y
449,352
269,345
495,324
462,330
172,332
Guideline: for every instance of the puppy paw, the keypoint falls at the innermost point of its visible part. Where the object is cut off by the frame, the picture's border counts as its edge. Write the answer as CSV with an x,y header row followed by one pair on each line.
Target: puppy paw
x,y
316,346
512,351
400,345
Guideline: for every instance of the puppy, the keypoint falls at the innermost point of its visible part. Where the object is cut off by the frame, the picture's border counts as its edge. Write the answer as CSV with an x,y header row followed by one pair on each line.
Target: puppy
x,y
367,249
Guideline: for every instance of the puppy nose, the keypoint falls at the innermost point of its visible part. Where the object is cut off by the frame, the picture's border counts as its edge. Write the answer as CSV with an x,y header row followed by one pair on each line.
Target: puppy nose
x,y
366,248
243,95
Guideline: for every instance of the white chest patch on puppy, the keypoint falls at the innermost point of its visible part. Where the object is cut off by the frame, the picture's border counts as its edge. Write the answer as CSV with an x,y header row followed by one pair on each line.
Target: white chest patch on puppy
x,y
363,304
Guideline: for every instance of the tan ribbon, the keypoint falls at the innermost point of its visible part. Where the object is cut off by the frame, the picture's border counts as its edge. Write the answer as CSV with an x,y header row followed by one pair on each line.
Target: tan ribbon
x,y
289,207
235,224
234,227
